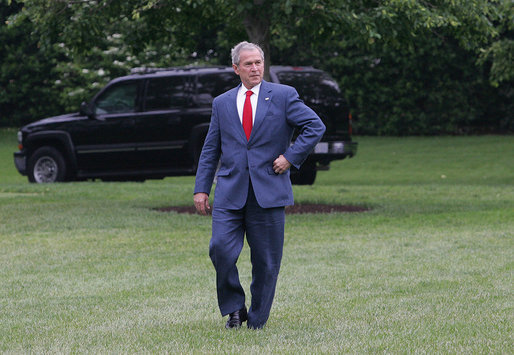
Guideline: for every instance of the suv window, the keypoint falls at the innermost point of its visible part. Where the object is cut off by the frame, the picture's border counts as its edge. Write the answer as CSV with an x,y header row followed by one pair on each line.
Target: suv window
x,y
117,99
166,93
211,85
312,86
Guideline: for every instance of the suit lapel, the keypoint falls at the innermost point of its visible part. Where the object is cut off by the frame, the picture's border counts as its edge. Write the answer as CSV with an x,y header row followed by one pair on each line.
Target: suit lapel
x,y
234,119
263,104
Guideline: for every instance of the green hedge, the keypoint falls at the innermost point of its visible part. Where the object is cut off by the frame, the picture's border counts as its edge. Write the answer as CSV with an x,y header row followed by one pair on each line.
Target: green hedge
x,y
433,88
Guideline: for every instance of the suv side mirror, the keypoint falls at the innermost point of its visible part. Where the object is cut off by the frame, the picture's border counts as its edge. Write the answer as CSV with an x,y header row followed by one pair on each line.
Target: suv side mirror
x,y
86,110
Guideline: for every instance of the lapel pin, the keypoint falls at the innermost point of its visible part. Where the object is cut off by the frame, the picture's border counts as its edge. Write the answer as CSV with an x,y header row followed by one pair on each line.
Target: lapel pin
x,y
266,99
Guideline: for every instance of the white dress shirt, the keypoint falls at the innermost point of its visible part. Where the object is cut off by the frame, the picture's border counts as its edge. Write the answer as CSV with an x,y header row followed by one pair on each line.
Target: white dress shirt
x,y
241,97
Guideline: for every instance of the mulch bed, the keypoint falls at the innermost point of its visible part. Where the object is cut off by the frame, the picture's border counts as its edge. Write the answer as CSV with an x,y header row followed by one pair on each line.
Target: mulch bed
x,y
296,209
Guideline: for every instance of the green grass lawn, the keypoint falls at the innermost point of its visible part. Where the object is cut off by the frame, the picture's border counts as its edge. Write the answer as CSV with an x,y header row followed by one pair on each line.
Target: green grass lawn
x,y
91,267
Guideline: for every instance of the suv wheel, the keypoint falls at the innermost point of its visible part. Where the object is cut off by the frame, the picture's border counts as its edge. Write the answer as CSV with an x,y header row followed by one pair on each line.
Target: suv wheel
x,y
46,165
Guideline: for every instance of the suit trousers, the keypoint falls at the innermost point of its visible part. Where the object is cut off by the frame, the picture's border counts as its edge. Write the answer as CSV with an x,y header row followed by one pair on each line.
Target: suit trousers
x,y
264,229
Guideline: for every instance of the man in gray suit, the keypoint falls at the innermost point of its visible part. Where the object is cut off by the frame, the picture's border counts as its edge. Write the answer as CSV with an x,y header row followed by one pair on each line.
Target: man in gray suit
x,y
250,135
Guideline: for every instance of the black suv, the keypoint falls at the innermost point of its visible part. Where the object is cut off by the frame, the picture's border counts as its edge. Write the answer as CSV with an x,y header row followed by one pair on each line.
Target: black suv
x,y
153,123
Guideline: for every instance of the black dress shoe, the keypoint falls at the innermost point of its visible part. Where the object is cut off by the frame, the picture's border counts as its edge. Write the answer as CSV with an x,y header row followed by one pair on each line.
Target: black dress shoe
x,y
235,319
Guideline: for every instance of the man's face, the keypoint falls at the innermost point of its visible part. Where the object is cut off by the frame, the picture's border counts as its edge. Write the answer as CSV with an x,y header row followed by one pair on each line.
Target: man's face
x,y
250,68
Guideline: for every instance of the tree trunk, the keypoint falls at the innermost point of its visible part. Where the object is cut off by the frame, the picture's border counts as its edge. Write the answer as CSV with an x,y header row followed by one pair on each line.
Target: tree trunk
x,y
257,27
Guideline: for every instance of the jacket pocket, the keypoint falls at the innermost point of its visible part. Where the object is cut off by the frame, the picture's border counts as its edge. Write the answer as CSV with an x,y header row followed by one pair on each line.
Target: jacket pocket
x,y
271,171
224,172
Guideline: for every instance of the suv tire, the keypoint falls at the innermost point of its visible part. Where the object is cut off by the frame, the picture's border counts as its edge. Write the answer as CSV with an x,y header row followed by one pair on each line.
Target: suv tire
x,y
46,165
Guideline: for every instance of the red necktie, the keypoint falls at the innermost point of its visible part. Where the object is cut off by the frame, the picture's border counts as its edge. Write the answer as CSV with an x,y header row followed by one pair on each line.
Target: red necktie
x,y
247,115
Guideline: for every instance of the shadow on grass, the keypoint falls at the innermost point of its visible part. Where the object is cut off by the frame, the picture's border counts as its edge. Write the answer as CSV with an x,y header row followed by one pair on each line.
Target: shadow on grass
x,y
300,208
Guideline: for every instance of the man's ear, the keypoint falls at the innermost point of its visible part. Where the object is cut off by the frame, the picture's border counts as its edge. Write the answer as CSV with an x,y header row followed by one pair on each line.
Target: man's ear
x,y
236,69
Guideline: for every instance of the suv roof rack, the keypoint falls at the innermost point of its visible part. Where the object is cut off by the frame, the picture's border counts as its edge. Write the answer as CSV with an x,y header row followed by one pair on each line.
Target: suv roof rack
x,y
149,70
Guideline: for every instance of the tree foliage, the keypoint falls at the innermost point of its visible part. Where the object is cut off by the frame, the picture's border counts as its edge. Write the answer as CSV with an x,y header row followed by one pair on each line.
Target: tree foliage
x,y
22,65
407,66
500,52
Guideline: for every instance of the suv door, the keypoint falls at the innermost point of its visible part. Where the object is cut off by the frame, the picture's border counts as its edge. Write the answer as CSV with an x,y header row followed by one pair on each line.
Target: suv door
x,y
160,132
106,142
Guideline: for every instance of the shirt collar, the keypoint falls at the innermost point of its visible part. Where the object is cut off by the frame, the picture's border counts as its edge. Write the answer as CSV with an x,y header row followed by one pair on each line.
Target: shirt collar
x,y
255,89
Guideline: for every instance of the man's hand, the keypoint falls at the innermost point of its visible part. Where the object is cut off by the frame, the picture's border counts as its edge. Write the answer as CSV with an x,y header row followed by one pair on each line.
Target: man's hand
x,y
280,165
202,203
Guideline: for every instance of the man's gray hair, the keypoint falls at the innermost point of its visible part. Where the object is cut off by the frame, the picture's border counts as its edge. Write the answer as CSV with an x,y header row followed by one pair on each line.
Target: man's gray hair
x,y
236,51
